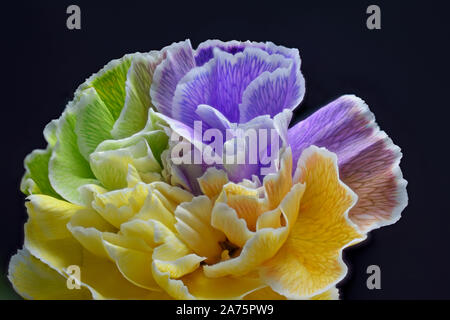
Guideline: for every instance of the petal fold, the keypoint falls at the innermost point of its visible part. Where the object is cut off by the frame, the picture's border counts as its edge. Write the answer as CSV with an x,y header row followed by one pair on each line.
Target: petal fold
x,y
368,159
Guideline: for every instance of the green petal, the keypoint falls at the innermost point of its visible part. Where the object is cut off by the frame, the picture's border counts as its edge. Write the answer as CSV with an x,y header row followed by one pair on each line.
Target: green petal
x,y
68,169
94,122
137,102
110,84
156,139
50,132
36,164
111,166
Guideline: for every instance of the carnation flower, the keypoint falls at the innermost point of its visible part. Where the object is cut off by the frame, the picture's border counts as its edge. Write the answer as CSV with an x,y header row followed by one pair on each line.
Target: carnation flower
x,y
106,197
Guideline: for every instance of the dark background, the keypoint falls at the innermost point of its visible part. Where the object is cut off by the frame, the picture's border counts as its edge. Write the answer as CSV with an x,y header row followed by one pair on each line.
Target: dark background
x,y
399,71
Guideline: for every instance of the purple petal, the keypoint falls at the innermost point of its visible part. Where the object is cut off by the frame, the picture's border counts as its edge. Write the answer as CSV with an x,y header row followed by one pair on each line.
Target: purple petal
x,y
205,50
213,118
221,82
271,93
178,60
368,160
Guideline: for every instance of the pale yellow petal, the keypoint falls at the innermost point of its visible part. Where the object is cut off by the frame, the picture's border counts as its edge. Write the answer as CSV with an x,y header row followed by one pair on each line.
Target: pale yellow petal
x,y
134,265
33,279
170,196
197,286
172,256
139,229
88,192
226,288
133,177
179,267
87,226
105,281
51,214
154,209
119,206
46,234
194,228
173,287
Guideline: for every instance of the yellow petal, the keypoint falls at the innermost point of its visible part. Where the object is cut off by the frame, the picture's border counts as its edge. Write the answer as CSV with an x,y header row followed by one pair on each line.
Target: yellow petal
x,y
179,267
194,228
172,256
154,209
264,244
212,182
87,226
46,234
33,279
139,229
330,294
247,207
105,281
88,192
277,185
134,265
175,288
225,288
133,177
226,220
119,206
310,261
51,214
265,293
170,196
197,286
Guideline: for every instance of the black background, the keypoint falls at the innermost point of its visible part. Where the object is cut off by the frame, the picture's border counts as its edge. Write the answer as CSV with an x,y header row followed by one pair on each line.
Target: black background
x,y
400,71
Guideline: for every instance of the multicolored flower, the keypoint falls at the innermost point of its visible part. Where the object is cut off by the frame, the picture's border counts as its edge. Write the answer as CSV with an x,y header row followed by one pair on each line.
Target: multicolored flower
x,y
106,197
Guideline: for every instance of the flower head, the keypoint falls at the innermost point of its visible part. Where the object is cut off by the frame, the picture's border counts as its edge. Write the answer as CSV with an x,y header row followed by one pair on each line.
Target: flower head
x,y
107,197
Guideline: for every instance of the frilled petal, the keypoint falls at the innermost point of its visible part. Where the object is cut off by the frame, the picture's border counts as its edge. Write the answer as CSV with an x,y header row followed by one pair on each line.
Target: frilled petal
x,y
119,206
46,235
264,244
135,265
68,169
111,167
87,226
133,116
212,182
267,293
93,122
33,279
87,120
194,228
197,286
368,159
36,165
271,92
104,280
110,84
221,83
205,50
330,294
310,261
178,60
